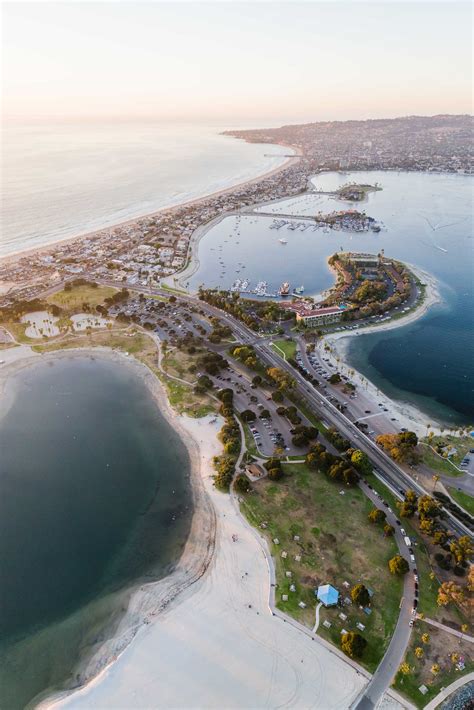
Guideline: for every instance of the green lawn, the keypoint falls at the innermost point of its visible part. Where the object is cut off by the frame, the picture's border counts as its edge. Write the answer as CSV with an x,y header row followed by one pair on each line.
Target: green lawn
x,y
74,299
286,348
462,444
438,463
465,500
337,544
428,586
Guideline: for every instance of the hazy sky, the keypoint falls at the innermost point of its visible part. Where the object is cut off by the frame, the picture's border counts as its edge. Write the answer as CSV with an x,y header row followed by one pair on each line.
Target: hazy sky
x,y
259,62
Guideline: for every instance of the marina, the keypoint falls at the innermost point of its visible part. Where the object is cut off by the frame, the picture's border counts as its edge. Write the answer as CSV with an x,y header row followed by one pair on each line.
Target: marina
x,y
402,209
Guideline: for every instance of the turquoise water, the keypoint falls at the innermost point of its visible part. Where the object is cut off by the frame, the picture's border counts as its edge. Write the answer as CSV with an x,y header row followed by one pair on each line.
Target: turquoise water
x,y
428,223
95,496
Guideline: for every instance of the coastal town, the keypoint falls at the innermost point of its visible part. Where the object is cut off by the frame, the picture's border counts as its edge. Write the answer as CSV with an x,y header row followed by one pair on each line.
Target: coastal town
x,y
143,251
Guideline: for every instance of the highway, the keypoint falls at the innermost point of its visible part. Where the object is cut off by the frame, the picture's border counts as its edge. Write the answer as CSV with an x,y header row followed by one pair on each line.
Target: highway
x,y
391,474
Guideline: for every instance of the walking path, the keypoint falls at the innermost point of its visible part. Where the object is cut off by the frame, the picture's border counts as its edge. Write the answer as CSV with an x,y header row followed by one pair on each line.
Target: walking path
x,y
315,627
446,692
459,634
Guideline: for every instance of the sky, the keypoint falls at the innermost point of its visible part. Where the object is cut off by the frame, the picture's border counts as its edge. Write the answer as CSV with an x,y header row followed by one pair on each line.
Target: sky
x,y
258,63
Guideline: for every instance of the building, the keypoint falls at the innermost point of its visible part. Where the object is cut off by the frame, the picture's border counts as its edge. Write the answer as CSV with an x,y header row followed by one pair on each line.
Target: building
x,y
363,260
327,595
315,316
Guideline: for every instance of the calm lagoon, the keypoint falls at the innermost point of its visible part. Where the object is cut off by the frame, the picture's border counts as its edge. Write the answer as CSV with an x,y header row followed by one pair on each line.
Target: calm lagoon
x,y
95,498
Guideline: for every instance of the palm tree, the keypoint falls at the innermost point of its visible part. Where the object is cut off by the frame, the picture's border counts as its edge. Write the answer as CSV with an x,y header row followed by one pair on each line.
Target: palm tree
x,y
435,479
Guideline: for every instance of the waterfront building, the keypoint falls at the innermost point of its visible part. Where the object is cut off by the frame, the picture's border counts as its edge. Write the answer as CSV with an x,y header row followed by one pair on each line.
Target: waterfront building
x,y
315,316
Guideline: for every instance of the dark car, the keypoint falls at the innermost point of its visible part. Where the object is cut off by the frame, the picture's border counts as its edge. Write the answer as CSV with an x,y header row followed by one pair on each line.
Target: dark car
x,y
367,411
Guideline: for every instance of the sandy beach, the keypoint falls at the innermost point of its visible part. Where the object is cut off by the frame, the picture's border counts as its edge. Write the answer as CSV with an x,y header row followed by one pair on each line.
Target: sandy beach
x,y
46,248
209,621
408,416
217,645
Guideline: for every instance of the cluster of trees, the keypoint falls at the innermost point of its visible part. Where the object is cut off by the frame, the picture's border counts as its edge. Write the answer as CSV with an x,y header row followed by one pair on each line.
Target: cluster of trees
x,y
398,565
360,461
242,483
219,331
231,303
291,413
337,440
376,516
336,467
14,311
360,595
401,447
80,281
455,509
211,362
281,379
230,437
246,355
370,291
203,384
353,644
117,297
274,468
302,435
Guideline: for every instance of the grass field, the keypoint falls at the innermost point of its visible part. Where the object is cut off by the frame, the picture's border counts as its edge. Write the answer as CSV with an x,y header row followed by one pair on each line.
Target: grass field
x,y
73,300
439,649
337,544
286,348
463,499
438,463
461,444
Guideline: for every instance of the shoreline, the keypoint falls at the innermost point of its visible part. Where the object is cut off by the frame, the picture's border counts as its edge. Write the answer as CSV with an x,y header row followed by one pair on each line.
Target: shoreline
x,y
408,415
144,600
30,251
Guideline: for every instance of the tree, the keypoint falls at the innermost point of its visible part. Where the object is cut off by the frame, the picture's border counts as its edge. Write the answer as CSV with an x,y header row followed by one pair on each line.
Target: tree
x,y
376,515
360,595
435,669
419,653
388,530
257,381
361,462
353,644
425,638
242,484
428,507
405,669
248,415
274,474
462,549
335,378
450,592
398,565
281,378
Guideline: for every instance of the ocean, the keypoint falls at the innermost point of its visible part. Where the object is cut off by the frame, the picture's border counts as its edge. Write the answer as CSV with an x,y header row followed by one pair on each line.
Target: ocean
x,y
65,179
95,497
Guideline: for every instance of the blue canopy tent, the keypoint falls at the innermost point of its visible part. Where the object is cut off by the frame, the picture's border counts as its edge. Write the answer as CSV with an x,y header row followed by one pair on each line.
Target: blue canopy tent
x,y
328,595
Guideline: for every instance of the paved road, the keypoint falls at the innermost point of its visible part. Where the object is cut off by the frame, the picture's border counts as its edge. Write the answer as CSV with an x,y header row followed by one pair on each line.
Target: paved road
x,y
383,676
396,479
391,473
